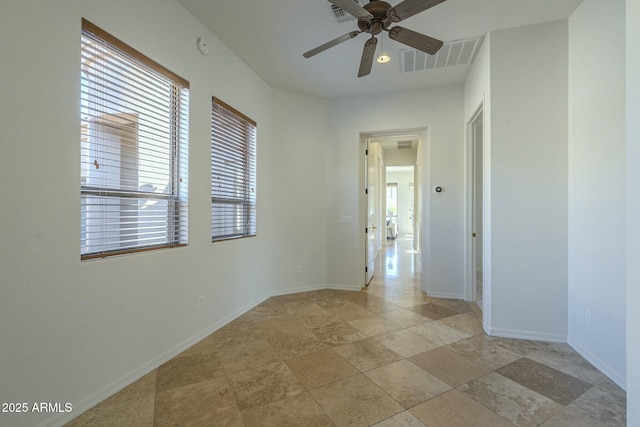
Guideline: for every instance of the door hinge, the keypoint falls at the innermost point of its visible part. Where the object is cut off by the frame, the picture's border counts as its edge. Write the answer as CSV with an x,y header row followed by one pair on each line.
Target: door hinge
x,y
366,191
366,269
474,234
366,230
366,152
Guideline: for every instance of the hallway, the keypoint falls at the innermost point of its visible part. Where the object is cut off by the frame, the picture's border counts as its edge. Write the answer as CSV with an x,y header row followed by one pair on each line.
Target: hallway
x,y
387,356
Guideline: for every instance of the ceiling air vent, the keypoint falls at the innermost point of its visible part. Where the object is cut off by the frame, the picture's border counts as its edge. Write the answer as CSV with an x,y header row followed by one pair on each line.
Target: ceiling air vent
x,y
341,15
404,144
458,52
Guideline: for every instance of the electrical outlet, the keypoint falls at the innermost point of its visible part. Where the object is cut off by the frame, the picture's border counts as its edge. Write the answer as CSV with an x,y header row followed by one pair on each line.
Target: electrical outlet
x,y
587,317
299,269
200,302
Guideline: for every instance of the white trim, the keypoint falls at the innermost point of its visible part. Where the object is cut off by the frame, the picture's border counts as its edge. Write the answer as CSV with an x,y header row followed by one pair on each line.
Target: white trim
x,y
445,295
93,399
288,291
343,288
524,335
297,290
362,200
469,171
603,367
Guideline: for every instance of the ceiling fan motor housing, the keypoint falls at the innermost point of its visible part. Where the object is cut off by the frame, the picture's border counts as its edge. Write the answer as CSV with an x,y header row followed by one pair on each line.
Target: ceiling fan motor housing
x,y
380,21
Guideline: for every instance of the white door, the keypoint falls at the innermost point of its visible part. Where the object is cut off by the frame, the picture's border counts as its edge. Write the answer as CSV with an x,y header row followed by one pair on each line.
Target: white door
x,y
371,170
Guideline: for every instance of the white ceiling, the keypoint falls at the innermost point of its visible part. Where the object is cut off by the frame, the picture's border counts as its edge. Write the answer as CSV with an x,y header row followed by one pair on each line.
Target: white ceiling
x,y
271,36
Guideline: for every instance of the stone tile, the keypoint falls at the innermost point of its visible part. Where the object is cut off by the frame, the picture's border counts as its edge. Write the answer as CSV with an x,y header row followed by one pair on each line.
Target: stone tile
x,y
248,355
372,303
320,368
236,332
521,347
438,333
570,417
406,343
484,349
605,403
454,409
411,300
470,323
199,404
338,333
407,383
350,311
181,371
288,346
293,411
376,288
289,298
286,324
374,326
549,382
510,400
269,309
355,402
564,358
290,337
403,419
457,305
264,385
330,301
477,308
449,366
311,314
405,318
272,390
367,354
433,311
206,345
143,387
138,412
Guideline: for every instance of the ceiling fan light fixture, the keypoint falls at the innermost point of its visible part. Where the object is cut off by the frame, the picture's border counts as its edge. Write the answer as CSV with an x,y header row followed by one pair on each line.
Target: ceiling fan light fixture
x,y
384,58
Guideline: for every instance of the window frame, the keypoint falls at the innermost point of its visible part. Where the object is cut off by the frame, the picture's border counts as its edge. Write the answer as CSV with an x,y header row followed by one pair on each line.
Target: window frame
x,y
175,132
233,140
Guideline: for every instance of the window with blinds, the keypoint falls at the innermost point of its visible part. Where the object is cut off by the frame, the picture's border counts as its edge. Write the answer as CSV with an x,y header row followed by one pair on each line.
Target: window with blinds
x,y
134,131
233,173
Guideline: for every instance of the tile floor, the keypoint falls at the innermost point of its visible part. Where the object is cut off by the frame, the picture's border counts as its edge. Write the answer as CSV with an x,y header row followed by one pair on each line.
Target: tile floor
x,y
386,356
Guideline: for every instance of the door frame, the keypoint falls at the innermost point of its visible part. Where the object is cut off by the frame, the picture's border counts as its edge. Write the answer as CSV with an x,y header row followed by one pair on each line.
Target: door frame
x,y
422,213
469,208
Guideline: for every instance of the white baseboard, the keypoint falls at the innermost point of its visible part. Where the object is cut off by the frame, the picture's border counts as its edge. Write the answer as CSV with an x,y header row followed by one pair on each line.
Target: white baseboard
x,y
343,288
279,292
614,375
525,335
297,290
93,399
445,295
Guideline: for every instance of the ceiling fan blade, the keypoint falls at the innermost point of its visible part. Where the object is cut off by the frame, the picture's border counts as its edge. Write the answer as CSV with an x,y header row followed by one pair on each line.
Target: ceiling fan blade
x,y
368,53
353,8
331,43
409,8
415,40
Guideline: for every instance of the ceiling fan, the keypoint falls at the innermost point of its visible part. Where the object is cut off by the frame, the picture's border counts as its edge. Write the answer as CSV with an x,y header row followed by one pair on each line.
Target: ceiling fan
x,y
376,17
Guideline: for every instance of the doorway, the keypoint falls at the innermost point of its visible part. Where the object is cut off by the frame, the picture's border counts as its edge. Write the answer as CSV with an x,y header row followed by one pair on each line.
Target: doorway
x,y
475,208
379,151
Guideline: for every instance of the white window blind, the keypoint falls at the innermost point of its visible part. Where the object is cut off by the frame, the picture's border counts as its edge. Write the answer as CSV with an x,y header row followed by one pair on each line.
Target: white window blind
x,y
233,173
134,131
